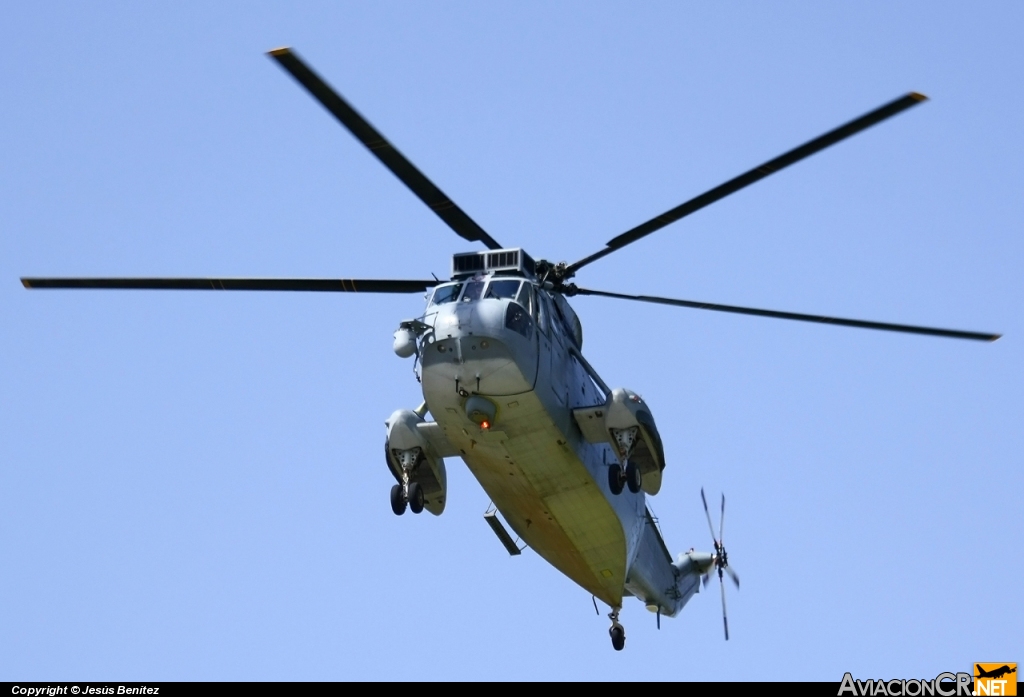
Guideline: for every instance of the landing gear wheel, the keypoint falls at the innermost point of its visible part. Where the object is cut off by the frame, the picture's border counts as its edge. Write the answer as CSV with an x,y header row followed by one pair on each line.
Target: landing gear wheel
x,y
397,500
633,477
415,498
618,635
615,478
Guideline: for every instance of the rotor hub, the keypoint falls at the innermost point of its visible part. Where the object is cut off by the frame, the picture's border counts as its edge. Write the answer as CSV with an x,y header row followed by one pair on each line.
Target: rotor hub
x,y
556,274
721,558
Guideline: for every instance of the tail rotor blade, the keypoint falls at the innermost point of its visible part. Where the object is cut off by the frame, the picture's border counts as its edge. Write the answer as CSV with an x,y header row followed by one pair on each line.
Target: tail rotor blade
x,y
710,526
721,523
733,576
725,617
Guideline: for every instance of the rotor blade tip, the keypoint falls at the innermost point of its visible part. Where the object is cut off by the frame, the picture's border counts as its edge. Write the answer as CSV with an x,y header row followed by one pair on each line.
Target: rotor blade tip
x,y
918,97
26,282
282,51
995,337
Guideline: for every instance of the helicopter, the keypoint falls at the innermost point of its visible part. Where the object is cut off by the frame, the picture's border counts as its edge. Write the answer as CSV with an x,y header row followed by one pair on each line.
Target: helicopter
x,y
567,461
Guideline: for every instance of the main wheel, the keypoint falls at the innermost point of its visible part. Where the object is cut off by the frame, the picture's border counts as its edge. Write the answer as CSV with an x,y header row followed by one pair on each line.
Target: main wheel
x,y
397,500
415,498
633,477
615,478
618,635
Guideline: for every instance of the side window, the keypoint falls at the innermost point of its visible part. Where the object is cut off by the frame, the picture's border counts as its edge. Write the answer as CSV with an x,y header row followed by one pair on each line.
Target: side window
x,y
544,317
518,319
525,298
569,320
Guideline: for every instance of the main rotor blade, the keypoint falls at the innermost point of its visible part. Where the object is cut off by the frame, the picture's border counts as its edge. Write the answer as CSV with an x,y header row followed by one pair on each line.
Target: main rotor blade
x,y
862,324
322,285
747,178
464,226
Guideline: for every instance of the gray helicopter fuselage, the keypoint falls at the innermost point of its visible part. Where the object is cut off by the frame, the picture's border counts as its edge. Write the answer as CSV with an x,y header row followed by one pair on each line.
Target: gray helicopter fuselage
x,y
510,342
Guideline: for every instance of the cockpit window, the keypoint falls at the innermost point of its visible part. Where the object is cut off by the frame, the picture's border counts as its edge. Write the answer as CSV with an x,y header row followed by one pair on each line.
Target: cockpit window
x,y
526,297
543,311
473,291
502,289
445,294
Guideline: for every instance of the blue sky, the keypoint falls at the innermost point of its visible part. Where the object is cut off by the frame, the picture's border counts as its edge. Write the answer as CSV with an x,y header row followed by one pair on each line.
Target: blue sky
x,y
193,485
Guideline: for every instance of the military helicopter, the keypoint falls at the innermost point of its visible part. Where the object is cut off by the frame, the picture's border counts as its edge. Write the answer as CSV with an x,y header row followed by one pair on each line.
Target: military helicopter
x,y
567,460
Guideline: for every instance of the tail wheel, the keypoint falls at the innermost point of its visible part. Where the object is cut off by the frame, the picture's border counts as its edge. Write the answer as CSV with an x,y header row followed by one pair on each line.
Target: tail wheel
x,y
615,478
415,498
618,635
634,478
397,500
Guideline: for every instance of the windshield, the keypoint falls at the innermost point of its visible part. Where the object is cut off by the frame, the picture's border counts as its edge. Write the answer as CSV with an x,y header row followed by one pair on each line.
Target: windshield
x,y
502,289
445,294
474,290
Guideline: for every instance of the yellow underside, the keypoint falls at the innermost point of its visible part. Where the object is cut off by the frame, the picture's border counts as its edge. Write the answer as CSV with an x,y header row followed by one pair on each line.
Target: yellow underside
x,y
544,492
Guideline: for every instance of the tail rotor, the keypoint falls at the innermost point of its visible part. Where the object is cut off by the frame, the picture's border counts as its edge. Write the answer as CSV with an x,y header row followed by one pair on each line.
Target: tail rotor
x,y
721,558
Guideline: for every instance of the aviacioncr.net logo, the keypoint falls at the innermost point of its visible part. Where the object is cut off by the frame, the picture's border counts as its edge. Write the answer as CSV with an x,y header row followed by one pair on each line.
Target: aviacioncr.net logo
x,y
942,685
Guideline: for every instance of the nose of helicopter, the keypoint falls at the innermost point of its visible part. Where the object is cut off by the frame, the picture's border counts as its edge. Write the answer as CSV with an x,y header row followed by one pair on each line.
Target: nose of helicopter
x,y
474,352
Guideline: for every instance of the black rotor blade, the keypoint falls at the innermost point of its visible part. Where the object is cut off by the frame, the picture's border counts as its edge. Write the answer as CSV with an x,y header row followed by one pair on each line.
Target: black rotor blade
x,y
379,147
747,178
725,618
322,285
733,576
710,526
861,324
721,524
